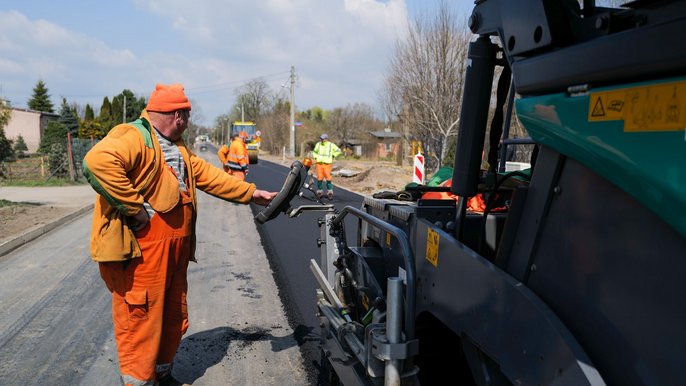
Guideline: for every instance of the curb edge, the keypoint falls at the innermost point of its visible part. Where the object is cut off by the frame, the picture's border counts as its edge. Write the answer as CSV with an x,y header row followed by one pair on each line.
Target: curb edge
x,y
33,234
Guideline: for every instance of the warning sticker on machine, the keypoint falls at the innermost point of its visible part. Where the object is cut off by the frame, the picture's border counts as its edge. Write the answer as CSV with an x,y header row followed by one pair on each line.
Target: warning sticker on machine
x,y
432,240
646,108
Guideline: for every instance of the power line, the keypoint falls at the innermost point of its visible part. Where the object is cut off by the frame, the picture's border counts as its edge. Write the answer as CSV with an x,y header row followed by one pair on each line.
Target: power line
x,y
278,74
193,90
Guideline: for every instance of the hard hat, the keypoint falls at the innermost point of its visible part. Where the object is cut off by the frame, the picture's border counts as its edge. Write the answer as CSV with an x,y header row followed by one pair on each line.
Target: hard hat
x,y
243,134
324,136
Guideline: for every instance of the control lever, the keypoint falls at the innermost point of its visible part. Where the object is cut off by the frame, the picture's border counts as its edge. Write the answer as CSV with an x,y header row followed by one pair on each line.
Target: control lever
x,y
281,202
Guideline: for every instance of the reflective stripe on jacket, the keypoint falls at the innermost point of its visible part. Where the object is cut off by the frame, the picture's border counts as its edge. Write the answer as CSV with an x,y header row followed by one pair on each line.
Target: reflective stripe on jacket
x,y
325,152
127,168
238,156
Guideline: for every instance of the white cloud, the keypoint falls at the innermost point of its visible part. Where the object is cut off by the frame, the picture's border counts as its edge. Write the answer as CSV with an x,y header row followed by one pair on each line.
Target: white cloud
x,y
340,49
10,66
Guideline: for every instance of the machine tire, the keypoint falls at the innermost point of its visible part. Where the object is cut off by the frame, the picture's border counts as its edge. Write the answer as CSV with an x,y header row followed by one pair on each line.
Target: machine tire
x,y
252,158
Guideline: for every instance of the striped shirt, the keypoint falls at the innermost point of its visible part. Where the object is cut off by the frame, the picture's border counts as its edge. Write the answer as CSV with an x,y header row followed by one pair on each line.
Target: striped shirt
x,y
173,158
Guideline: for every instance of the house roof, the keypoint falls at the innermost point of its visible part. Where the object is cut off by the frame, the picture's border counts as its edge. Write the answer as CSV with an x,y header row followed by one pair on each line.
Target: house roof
x,y
385,134
35,112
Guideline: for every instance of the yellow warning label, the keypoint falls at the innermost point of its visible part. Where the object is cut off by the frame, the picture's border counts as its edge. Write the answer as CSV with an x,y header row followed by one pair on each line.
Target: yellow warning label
x,y
388,239
646,108
432,240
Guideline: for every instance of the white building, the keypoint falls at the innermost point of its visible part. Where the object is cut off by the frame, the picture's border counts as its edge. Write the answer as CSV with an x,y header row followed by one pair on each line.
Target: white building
x,y
30,125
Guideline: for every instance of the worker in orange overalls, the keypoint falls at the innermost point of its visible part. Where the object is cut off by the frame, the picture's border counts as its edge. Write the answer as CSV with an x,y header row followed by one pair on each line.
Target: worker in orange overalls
x,y
235,158
143,233
223,154
324,153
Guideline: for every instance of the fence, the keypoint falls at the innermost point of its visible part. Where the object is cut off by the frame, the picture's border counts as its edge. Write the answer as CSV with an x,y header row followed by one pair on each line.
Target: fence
x,y
63,161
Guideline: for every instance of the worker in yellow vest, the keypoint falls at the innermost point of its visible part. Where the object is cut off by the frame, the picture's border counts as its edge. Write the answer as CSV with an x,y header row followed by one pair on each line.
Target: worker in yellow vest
x,y
324,154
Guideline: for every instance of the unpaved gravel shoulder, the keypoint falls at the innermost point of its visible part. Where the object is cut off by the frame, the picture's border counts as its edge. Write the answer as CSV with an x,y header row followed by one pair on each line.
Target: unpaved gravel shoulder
x,y
368,176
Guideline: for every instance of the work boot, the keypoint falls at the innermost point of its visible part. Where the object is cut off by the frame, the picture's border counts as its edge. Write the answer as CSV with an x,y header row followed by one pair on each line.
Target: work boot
x,y
163,375
169,380
330,194
319,194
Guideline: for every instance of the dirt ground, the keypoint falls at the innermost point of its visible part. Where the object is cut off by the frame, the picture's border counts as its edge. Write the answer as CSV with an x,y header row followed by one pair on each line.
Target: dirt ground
x,y
369,177
17,219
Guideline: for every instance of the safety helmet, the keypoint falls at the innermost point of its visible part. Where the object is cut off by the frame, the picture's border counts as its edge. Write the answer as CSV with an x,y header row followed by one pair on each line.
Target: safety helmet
x,y
243,135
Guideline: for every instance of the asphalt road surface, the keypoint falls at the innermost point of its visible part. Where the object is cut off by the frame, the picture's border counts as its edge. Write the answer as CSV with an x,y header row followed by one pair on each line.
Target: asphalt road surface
x,y
290,243
56,320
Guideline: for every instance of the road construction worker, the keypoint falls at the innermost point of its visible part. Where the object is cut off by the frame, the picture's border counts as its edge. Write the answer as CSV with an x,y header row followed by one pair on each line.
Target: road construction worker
x,y
223,153
235,158
324,153
143,233
238,159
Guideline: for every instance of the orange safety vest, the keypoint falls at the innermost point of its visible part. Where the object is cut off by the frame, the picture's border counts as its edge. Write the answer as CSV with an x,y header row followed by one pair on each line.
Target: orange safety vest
x,y
238,155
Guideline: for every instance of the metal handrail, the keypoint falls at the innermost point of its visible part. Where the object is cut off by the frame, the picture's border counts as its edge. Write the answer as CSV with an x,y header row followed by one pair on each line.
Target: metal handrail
x,y
408,259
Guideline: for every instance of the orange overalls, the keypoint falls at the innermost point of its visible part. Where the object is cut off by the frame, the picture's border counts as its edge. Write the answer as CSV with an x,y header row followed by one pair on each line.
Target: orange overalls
x,y
323,171
238,159
149,295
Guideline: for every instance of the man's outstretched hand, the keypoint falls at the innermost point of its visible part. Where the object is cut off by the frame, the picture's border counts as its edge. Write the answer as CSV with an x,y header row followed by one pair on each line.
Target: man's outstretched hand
x,y
263,197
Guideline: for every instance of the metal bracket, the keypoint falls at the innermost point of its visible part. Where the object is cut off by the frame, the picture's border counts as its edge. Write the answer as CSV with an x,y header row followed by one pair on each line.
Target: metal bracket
x,y
379,347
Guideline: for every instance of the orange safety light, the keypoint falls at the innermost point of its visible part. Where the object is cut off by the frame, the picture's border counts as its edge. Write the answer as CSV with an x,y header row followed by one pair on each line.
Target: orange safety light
x,y
307,162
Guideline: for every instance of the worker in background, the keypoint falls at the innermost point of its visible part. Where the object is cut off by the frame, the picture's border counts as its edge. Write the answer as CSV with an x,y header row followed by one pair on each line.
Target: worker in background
x,y
237,159
223,153
324,153
143,234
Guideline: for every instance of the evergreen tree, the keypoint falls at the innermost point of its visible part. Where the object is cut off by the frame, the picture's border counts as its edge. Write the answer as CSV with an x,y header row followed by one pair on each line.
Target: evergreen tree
x,y
5,115
20,146
89,114
116,117
91,129
133,105
57,159
40,100
105,116
105,110
68,117
55,133
6,151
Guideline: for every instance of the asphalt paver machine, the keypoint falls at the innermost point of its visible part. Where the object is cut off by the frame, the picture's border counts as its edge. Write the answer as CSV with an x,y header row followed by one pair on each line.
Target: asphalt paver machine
x,y
582,279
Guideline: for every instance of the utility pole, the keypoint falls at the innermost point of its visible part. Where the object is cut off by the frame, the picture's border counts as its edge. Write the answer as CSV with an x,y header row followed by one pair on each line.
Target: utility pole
x,y
242,113
123,113
291,148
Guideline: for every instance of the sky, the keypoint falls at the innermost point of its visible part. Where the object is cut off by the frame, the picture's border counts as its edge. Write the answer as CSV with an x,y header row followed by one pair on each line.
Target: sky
x,y
84,50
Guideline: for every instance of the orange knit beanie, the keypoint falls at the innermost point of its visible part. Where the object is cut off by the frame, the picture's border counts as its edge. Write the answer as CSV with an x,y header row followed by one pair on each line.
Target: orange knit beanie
x,y
167,98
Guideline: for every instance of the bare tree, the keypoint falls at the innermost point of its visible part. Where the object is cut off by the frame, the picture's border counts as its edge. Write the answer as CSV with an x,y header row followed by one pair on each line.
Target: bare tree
x,y
426,80
275,125
254,98
352,122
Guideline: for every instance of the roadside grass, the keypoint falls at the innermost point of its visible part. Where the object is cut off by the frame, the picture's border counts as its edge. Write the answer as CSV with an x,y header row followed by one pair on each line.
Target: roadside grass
x,y
32,172
7,203
41,183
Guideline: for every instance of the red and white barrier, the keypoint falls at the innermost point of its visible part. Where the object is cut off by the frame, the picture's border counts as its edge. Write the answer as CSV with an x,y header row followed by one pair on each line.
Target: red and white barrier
x,y
418,175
